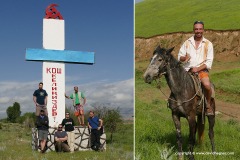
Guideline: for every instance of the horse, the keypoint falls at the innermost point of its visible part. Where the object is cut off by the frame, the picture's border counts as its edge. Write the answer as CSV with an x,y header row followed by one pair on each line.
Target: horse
x,y
183,100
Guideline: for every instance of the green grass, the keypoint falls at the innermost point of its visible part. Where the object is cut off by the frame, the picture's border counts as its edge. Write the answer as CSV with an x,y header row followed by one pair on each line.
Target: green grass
x,y
15,144
154,17
227,85
155,131
228,81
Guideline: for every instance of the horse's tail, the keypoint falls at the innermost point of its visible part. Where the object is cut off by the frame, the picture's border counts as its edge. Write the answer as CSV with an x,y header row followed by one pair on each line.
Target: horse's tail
x,y
200,128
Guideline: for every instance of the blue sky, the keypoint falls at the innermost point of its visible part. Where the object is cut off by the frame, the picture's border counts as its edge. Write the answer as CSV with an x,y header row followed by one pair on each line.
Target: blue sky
x,y
104,27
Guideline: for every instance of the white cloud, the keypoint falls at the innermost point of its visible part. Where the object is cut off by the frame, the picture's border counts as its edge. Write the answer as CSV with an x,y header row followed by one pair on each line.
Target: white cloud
x,y
117,94
20,92
4,100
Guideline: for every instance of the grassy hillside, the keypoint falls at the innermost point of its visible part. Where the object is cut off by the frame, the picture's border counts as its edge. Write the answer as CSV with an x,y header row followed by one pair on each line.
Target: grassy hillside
x,y
154,128
153,17
15,144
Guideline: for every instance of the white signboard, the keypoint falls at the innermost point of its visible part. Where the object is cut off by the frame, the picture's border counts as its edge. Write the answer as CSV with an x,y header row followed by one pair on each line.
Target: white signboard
x,y
54,72
54,84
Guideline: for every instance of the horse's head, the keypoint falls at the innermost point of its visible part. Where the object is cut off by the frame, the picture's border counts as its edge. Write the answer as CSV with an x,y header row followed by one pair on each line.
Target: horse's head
x,y
157,64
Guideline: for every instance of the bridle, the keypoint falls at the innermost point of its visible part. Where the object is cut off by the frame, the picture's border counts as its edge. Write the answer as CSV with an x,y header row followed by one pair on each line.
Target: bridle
x,y
166,64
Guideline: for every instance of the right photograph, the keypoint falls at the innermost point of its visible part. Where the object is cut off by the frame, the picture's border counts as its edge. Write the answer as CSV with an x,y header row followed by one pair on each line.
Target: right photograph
x,y
187,87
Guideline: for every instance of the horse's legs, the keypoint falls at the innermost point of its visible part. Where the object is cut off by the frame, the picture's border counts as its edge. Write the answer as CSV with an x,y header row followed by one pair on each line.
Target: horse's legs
x,y
177,123
192,133
211,121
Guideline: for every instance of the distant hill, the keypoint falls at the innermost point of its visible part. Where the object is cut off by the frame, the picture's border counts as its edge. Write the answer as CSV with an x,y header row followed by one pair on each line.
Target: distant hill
x,y
155,17
226,44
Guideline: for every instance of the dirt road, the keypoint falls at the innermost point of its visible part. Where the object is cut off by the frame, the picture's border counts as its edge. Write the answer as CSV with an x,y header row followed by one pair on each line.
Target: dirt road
x,y
228,110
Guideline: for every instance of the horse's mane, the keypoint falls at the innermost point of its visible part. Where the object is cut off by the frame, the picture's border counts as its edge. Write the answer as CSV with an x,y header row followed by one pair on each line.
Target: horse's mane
x,y
174,61
166,54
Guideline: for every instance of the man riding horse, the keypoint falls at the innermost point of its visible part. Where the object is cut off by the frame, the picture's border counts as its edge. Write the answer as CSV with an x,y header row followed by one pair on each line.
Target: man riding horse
x,y
197,56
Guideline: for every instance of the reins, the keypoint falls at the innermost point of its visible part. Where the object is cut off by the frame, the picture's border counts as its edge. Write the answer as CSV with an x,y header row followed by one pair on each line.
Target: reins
x,y
159,87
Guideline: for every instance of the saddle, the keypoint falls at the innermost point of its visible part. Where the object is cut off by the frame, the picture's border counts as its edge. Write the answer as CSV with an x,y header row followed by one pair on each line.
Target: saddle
x,y
200,93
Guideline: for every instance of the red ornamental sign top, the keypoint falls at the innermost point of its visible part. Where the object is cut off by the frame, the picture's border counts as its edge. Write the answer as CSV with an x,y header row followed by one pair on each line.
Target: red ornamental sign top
x,y
52,12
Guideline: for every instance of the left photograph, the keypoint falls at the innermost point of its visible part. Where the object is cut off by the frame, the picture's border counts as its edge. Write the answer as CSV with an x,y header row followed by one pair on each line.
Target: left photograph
x,y
64,86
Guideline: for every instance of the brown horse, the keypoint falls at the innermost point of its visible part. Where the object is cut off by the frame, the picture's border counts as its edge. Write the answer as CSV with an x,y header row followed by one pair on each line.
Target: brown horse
x,y
183,100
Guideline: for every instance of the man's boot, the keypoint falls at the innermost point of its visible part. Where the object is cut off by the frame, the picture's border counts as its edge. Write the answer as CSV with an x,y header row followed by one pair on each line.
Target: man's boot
x,y
209,110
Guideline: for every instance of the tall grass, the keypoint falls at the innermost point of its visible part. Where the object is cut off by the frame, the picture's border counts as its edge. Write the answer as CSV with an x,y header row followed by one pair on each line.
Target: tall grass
x,y
153,17
155,133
